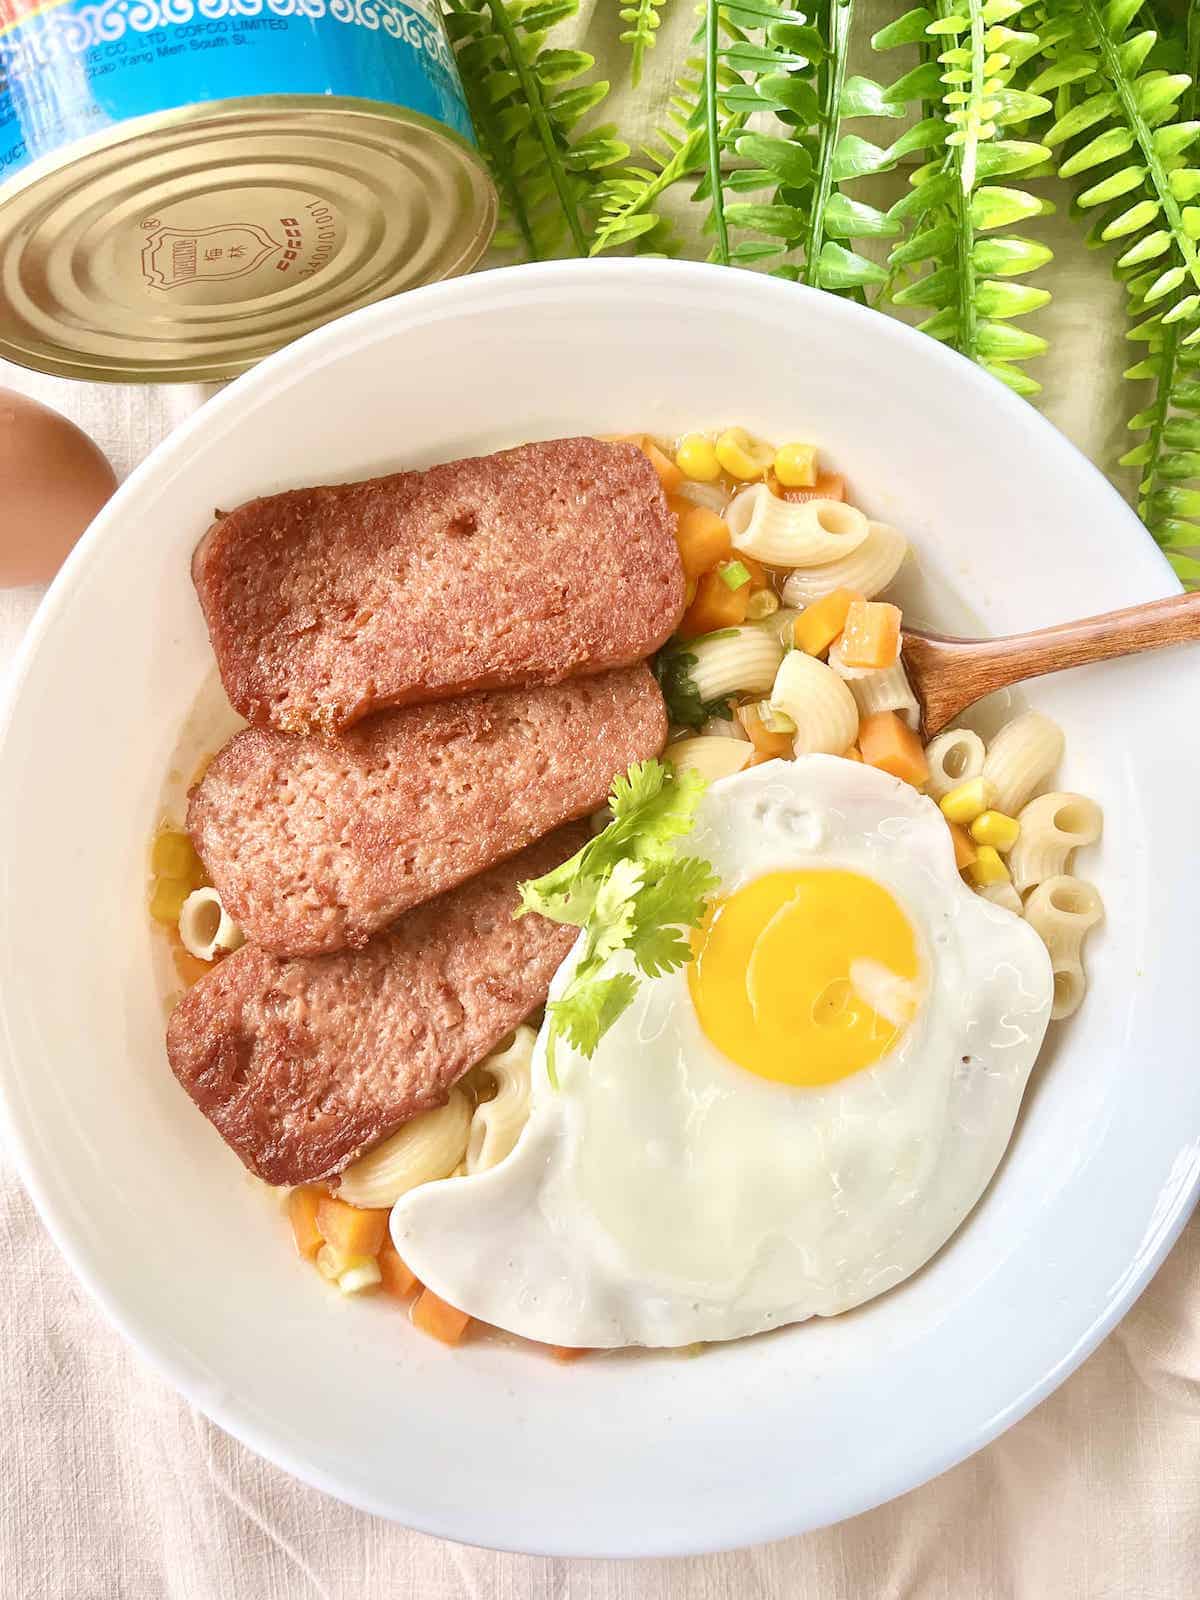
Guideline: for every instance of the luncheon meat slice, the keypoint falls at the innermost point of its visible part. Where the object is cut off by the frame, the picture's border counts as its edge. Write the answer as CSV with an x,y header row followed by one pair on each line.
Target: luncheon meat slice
x,y
314,845
530,566
300,1064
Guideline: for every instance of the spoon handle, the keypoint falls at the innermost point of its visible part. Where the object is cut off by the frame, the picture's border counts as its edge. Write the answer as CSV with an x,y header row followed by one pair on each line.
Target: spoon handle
x,y
958,672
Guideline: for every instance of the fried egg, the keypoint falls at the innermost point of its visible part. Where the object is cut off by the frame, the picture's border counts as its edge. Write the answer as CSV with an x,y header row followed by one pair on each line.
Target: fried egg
x,y
789,1126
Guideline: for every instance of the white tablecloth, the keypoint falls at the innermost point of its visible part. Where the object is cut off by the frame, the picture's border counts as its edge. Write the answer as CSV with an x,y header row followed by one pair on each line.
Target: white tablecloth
x,y
111,1488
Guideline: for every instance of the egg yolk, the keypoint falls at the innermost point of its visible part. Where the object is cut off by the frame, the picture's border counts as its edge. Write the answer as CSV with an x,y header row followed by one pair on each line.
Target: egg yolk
x,y
807,976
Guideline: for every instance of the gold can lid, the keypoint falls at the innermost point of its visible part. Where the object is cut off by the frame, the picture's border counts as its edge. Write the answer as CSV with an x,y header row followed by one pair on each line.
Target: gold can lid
x,y
188,245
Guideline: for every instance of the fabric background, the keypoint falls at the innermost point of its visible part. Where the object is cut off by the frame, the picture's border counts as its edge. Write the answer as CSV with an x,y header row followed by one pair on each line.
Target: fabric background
x,y
114,1489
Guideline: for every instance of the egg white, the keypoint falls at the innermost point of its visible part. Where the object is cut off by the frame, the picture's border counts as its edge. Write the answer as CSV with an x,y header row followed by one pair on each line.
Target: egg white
x,y
664,1195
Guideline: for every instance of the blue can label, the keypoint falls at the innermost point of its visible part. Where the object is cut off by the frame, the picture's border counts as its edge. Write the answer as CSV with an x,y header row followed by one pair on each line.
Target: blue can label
x,y
69,69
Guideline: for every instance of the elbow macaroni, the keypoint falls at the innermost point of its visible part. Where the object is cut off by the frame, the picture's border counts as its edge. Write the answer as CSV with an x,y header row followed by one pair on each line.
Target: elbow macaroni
x,y
955,757
1002,894
205,927
742,661
867,571
1053,827
878,688
713,757
1062,910
1024,754
425,1149
818,702
786,533
497,1123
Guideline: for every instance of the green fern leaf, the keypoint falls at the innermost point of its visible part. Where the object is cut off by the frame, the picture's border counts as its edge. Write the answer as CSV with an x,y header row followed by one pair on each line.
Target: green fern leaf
x,y
970,280
524,115
1141,111
644,19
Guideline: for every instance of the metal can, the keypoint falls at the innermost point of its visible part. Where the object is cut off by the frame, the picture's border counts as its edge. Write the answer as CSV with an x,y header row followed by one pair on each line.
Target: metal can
x,y
186,185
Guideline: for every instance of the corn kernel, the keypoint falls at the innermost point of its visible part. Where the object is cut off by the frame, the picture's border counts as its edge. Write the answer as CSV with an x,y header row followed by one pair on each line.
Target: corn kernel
x,y
987,868
743,457
167,897
172,855
994,828
696,458
966,801
763,603
796,466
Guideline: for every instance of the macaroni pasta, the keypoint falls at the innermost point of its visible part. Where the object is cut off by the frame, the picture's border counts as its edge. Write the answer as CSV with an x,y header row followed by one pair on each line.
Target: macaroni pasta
x,y
496,1124
741,661
1053,827
1063,910
1023,755
866,571
786,533
427,1148
818,702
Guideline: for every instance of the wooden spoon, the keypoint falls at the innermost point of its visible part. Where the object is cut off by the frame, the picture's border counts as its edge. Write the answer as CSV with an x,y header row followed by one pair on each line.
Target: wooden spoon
x,y
948,675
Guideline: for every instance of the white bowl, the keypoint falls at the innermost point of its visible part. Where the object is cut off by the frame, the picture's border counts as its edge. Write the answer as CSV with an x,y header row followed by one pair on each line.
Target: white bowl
x,y
621,1456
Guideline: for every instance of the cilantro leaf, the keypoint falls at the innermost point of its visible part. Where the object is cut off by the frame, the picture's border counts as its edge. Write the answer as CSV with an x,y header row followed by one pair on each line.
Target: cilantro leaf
x,y
592,1008
631,894
651,806
666,909
649,813
638,787
672,667
614,909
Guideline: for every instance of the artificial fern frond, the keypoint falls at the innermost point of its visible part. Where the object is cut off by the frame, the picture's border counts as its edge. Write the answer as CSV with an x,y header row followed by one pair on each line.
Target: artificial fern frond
x,y
799,74
1125,128
756,53
839,157
680,148
644,19
955,208
525,115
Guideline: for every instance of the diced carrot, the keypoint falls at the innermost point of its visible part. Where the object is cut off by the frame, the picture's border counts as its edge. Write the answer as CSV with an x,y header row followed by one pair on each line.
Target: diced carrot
x,y
716,606
829,486
349,1230
871,636
889,743
819,624
669,474
302,1214
398,1279
703,539
767,745
441,1321
567,1352
964,846
853,754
